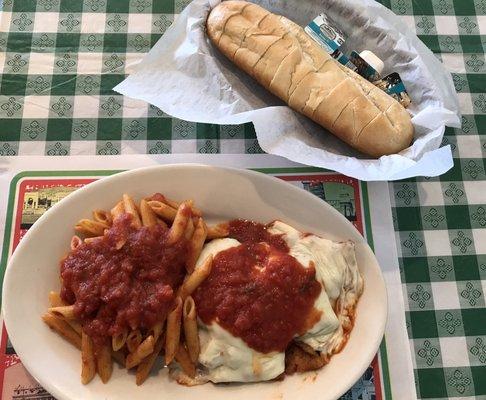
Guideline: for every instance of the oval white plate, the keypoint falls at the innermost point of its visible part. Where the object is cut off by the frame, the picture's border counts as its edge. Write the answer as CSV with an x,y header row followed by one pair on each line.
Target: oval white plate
x,y
222,193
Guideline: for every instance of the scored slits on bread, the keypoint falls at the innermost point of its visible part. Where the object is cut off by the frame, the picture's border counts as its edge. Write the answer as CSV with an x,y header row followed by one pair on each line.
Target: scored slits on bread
x,y
285,60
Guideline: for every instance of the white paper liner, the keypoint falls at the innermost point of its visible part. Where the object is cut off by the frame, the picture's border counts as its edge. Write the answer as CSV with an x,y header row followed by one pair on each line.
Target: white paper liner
x,y
186,77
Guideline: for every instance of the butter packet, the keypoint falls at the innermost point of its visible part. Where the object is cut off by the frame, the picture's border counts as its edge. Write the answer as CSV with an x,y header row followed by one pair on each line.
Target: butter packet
x,y
330,38
393,85
323,31
364,67
343,59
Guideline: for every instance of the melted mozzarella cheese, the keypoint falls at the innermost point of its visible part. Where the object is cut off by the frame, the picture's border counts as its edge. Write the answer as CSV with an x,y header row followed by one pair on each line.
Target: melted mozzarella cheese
x,y
214,247
226,357
337,272
229,359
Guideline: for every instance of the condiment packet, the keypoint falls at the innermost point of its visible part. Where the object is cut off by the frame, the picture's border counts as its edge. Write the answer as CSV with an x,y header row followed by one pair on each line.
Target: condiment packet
x,y
363,68
325,32
393,85
329,37
343,59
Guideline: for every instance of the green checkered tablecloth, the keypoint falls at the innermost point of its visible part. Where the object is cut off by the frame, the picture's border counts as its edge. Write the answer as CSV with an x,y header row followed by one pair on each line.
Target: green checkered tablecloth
x,y
59,60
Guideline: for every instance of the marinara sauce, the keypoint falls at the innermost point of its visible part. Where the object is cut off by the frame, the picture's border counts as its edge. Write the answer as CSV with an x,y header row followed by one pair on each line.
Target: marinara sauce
x,y
129,287
257,291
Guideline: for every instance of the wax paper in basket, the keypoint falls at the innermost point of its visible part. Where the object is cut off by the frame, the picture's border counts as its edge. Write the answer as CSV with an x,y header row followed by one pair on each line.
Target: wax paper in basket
x,y
187,77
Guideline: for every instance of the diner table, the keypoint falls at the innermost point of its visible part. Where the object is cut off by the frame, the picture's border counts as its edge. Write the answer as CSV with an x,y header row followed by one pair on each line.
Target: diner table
x,y
60,59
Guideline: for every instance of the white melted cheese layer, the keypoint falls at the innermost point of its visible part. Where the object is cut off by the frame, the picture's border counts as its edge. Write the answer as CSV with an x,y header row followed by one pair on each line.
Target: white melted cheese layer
x,y
338,274
226,357
229,359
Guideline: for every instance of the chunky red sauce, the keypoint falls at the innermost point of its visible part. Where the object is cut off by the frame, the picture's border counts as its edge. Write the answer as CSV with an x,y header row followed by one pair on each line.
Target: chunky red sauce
x,y
257,291
253,232
132,287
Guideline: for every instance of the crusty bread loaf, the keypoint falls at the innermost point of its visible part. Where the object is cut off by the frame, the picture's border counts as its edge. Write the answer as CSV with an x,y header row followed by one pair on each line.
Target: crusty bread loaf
x,y
285,60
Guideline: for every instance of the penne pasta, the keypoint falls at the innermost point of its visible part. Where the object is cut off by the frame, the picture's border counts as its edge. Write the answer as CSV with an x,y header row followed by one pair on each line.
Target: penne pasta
x,y
119,357
178,227
134,339
88,363
131,209
189,320
163,210
199,274
90,228
143,350
156,330
196,244
66,312
149,218
75,242
196,211
55,299
182,357
102,216
117,211
173,331
92,239
144,368
104,363
175,204
189,229
75,325
62,328
217,231
139,348
119,340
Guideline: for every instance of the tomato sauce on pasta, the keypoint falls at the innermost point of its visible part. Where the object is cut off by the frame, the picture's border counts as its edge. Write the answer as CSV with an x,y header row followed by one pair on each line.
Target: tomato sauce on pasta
x,y
258,291
130,287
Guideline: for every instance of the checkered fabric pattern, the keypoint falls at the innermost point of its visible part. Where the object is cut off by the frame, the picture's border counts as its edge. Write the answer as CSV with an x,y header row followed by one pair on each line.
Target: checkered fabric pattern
x,y
59,60
440,222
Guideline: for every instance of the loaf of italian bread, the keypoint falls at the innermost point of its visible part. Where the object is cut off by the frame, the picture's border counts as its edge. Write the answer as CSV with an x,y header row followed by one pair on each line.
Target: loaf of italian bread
x,y
286,61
